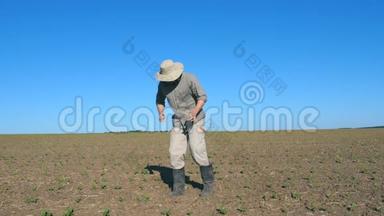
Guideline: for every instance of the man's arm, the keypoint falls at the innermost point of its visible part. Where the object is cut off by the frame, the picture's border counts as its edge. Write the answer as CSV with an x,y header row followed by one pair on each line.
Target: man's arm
x,y
160,104
160,110
198,107
199,94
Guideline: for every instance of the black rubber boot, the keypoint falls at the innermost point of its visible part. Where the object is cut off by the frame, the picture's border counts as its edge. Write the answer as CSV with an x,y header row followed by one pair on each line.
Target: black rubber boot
x,y
208,179
178,182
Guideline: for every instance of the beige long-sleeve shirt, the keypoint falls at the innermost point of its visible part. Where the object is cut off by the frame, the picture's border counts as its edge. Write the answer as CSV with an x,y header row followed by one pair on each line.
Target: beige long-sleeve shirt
x,y
182,96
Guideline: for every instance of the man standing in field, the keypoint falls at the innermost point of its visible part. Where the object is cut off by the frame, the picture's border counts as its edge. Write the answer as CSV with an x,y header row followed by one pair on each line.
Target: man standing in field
x,y
186,98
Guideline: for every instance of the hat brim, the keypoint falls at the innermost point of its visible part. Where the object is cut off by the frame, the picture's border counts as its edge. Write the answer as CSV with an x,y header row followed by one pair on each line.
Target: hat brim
x,y
172,76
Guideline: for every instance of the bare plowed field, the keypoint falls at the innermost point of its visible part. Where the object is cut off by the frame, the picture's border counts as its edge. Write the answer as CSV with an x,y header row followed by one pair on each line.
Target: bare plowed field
x,y
330,172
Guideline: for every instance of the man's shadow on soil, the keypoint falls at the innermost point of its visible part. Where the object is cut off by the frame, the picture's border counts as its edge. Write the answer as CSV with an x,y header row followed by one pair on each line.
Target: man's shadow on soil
x,y
167,177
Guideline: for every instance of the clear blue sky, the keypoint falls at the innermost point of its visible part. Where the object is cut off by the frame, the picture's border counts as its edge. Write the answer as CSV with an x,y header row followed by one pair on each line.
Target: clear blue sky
x,y
330,54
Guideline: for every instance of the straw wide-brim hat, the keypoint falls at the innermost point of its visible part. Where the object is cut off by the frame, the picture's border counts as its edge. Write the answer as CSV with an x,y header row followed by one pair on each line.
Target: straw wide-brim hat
x,y
169,71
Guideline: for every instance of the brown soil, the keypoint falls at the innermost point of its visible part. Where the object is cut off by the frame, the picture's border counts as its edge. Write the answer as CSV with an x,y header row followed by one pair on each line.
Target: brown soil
x,y
331,172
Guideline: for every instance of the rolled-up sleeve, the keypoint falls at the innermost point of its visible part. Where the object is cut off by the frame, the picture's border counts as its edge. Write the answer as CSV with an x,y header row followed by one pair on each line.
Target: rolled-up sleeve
x,y
160,98
197,90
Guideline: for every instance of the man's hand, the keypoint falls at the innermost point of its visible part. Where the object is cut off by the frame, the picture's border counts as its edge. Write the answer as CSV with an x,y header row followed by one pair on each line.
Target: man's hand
x,y
160,109
161,116
196,110
194,113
